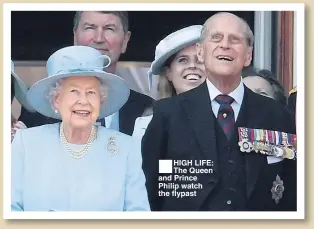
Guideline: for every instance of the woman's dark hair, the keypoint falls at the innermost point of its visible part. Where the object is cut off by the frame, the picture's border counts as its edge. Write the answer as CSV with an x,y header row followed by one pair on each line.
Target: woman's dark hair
x,y
12,89
270,78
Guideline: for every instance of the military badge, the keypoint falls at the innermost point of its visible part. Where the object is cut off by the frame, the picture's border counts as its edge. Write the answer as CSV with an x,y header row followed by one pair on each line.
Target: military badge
x,y
277,189
289,153
245,146
277,151
267,142
112,147
256,147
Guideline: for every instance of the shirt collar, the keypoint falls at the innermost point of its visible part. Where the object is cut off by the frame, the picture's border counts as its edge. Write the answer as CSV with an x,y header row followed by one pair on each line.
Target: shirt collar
x,y
236,94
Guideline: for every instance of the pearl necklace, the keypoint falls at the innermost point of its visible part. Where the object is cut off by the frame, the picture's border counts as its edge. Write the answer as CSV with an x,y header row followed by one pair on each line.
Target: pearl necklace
x,y
78,154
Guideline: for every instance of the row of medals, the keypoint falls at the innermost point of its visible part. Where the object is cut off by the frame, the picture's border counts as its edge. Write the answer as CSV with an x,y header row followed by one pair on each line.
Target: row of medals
x,y
283,151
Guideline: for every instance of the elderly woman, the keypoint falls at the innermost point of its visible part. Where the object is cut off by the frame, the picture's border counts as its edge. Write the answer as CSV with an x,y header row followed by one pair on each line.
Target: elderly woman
x,y
18,90
76,165
263,82
178,68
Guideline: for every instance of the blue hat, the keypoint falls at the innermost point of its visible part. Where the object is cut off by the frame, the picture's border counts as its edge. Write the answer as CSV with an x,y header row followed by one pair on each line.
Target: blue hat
x,y
172,44
79,61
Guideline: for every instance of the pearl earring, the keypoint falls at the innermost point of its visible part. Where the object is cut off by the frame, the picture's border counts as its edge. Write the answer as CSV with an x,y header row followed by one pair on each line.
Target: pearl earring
x,y
56,111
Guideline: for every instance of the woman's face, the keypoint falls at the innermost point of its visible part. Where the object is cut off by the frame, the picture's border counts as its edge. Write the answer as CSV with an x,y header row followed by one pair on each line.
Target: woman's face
x,y
185,71
259,86
78,101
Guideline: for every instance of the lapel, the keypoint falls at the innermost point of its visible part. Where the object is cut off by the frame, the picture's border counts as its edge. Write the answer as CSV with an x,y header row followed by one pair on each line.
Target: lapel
x,y
126,114
197,106
122,119
250,115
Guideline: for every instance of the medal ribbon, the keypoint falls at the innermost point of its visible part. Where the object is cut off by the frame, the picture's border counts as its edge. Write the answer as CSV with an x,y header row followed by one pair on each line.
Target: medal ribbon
x,y
270,136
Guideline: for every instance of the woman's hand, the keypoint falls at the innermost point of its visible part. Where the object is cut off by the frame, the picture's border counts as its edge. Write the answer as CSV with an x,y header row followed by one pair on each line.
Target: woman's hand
x,y
17,125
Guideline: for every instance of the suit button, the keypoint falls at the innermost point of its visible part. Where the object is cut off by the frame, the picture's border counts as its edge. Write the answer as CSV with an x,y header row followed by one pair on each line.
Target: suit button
x,y
229,202
231,162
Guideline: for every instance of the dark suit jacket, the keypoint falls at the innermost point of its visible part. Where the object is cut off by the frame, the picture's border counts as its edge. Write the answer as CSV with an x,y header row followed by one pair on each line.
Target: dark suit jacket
x,y
183,128
292,101
131,110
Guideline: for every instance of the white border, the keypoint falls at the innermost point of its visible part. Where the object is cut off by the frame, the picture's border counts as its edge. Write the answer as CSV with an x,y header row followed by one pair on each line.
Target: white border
x,y
8,7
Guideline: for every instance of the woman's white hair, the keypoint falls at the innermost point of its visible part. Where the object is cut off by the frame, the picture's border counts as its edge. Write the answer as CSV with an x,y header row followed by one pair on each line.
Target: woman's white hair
x,y
54,90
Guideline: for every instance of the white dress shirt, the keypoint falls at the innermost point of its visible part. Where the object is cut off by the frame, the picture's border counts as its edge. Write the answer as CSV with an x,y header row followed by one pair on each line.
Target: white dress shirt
x,y
237,95
140,126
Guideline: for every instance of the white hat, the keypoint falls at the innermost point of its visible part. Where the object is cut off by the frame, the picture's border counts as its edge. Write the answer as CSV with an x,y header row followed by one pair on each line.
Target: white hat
x,y
20,90
78,61
172,44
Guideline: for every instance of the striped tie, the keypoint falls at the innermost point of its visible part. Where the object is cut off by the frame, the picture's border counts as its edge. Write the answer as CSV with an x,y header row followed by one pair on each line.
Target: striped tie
x,y
225,114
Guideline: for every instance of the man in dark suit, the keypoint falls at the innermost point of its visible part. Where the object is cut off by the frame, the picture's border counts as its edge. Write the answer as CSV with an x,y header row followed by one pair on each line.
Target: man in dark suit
x,y
109,33
202,124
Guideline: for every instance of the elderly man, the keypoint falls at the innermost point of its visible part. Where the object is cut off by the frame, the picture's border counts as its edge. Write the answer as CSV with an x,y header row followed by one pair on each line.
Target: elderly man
x,y
109,33
215,166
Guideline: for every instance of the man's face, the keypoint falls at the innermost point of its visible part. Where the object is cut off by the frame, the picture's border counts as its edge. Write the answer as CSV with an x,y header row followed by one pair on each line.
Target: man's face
x,y
103,32
225,50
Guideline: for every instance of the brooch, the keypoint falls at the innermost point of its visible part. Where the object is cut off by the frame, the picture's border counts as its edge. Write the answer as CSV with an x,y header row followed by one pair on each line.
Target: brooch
x,y
112,147
277,189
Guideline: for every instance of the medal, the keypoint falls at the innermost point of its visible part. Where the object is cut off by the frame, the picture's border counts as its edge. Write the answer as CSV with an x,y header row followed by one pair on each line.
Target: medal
x,y
277,151
255,147
244,143
289,153
267,142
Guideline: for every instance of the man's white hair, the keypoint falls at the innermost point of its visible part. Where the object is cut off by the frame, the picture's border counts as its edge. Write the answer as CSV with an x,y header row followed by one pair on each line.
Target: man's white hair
x,y
247,30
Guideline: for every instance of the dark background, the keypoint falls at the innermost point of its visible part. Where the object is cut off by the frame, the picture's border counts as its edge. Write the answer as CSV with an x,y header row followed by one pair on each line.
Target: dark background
x,y
37,34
